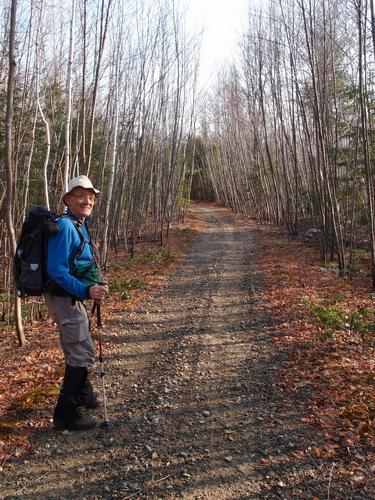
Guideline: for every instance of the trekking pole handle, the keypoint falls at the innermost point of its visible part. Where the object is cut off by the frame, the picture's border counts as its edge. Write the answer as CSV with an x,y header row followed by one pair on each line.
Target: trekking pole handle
x,y
101,283
97,303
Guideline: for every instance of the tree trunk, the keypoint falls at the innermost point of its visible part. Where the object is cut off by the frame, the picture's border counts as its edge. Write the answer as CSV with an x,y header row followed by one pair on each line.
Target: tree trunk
x,y
8,161
44,119
68,103
113,165
102,37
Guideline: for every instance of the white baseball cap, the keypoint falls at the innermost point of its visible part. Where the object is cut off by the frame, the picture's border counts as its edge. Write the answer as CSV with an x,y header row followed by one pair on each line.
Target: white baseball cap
x,y
80,181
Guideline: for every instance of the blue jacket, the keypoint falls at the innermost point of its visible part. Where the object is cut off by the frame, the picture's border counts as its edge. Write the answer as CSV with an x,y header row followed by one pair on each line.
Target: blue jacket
x,y
62,248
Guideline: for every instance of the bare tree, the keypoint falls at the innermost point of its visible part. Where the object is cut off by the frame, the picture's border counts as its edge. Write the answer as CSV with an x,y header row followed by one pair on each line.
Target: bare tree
x,y
104,20
68,102
361,16
44,119
9,168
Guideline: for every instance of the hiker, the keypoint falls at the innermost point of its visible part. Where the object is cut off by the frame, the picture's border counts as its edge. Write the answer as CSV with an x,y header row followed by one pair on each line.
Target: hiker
x,y
74,272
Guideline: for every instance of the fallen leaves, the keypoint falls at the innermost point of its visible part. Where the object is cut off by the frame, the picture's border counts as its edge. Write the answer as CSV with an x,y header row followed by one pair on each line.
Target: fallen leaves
x,y
337,367
30,376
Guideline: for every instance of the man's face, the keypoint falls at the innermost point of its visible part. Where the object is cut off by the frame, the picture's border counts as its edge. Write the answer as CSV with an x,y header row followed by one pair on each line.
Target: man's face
x,y
81,201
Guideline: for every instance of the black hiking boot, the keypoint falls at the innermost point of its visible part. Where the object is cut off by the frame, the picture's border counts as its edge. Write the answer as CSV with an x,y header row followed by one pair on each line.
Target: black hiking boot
x,y
66,414
87,397
95,402
80,423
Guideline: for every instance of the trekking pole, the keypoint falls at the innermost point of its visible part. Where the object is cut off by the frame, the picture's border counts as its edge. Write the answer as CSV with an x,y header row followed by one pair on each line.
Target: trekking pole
x,y
106,424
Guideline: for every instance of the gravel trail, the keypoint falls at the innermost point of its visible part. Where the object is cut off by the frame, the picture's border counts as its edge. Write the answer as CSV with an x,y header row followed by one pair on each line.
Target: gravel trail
x,y
193,395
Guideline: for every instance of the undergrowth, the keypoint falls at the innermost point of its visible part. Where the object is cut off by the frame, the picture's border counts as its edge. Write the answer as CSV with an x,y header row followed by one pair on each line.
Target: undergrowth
x,y
125,285
126,281
155,255
333,318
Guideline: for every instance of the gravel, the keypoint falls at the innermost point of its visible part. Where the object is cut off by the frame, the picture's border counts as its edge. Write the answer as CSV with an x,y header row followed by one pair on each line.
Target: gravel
x,y
198,348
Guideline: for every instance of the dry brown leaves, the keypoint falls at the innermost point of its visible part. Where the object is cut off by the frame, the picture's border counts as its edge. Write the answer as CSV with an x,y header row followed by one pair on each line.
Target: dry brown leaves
x,y
338,369
337,372
30,376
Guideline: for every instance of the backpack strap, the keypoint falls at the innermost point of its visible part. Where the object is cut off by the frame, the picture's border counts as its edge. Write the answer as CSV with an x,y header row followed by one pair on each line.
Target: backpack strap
x,y
93,245
78,225
56,289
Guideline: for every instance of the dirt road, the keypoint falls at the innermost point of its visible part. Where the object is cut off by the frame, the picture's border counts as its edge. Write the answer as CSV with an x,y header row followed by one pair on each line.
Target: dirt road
x,y
193,396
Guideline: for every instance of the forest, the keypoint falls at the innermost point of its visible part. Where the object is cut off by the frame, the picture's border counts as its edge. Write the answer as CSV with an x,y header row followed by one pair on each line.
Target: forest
x,y
284,137
109,89
287,134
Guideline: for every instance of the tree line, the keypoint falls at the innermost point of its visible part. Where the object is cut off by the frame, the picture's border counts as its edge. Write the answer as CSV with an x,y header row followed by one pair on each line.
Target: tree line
x,y
109,89
287,134
98,87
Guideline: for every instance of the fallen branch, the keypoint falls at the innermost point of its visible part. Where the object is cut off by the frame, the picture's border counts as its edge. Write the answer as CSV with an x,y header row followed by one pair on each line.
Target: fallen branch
x,y
330,481
33,482
155,482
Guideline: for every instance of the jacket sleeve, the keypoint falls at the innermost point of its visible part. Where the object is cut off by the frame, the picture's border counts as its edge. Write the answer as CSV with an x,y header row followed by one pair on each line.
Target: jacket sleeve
x,y
60,247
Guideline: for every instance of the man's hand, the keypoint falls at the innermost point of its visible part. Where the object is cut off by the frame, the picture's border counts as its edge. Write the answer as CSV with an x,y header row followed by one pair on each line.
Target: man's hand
x,y
98,292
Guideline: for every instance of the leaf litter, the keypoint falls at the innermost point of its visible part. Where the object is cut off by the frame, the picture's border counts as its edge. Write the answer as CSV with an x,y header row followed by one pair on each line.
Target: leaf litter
x,y
332,370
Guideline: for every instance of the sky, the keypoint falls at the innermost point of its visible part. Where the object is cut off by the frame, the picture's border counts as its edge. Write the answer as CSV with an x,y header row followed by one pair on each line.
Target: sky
x,y
222,22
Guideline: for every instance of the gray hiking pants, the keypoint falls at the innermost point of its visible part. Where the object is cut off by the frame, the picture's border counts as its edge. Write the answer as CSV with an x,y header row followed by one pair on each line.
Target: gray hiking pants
x,y
73,323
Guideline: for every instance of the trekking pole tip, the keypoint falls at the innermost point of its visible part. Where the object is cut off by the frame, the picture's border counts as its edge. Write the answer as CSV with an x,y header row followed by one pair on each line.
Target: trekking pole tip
x,y
106,425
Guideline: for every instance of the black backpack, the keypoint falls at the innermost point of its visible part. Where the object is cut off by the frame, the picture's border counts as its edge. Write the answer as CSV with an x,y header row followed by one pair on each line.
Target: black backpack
x,y
30,260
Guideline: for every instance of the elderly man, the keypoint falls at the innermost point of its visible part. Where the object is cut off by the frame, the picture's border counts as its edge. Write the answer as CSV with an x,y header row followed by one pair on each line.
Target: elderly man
x,y
74,272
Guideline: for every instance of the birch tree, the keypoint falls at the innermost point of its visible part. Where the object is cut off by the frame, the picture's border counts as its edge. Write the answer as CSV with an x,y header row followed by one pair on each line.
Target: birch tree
x,y
68,94
40,109
9,166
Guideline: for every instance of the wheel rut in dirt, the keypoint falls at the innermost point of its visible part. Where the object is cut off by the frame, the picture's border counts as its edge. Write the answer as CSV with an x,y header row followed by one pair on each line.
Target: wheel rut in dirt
x,y
192,392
